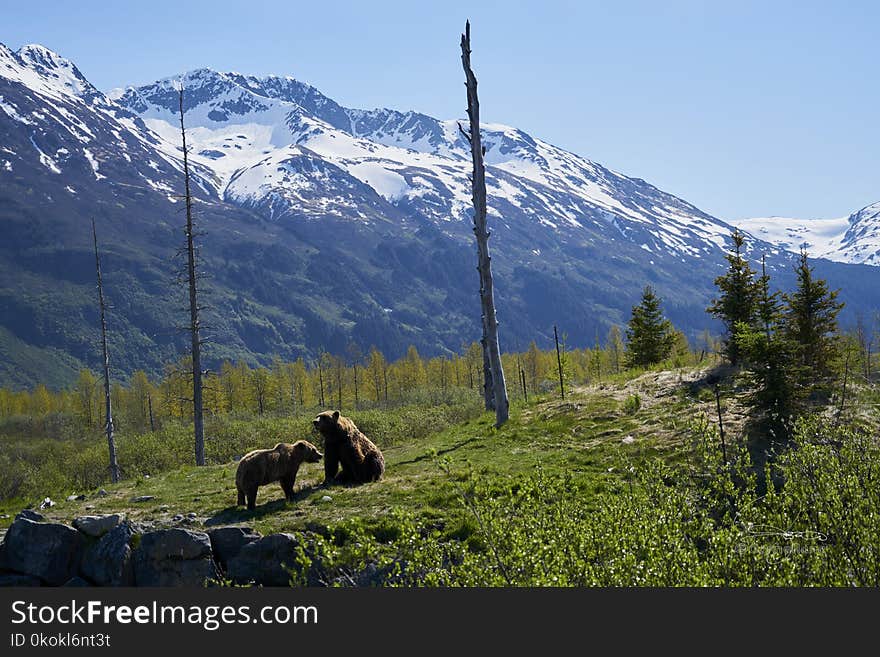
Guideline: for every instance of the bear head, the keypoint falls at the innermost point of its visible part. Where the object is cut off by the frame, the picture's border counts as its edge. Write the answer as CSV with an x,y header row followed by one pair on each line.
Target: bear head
x,y
306,452
326,422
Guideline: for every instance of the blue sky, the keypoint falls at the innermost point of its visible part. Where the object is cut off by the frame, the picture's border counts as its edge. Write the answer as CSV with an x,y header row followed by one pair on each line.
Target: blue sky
x,y
742,108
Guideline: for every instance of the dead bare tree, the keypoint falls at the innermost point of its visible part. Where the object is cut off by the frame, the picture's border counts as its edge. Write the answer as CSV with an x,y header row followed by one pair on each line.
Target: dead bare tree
x,y
194,321
491,348
108,409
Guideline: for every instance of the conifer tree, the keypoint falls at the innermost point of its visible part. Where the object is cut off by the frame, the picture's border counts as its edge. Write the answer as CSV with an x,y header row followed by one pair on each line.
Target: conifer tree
x,y
650,337
811,322
773,371
735,304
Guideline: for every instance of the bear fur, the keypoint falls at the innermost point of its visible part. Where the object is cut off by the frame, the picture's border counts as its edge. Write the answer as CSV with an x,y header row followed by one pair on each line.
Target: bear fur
x,y
345,446
263,466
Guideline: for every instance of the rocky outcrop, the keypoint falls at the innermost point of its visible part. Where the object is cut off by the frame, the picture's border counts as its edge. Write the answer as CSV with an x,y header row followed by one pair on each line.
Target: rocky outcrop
x,y
110,550
97,526
174,557
48,551
227,542
108,562
269,561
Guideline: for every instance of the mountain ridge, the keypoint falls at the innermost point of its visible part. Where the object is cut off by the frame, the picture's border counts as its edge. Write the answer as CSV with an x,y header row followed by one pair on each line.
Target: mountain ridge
x,y
325,226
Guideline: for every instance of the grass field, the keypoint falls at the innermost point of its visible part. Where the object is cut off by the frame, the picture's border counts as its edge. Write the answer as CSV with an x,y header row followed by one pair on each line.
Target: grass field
x,y
629,469
583,435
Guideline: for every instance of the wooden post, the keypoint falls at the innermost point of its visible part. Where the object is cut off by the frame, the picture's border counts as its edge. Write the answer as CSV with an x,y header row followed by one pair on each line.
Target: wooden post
x,y
559,363
108,411
522,376
321,381
491,346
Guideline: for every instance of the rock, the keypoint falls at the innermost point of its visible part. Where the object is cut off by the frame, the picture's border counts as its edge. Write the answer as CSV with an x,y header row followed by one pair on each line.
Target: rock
x,y
97,526
4,516
326,498
227,542
174,557
266,561
102,493
164,507
89,507
143,498
629,440
16,579
108,562
29,514
49,551
75,498
76,582
47,503
177,518
191,516
175,544
146,476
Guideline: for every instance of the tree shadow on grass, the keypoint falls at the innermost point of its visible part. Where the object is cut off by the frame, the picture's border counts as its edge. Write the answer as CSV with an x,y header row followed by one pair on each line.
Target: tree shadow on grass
x,y
439,452
235,514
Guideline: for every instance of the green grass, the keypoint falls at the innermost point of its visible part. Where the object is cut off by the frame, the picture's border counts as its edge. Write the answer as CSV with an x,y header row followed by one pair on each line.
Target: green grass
x,y
582,435
593,489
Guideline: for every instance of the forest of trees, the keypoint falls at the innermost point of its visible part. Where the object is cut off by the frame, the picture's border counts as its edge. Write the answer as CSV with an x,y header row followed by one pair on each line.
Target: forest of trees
x,y
789,344
351,381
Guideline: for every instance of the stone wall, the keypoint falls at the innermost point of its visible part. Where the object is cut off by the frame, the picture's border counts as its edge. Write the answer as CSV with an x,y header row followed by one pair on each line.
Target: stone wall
x,y
110,550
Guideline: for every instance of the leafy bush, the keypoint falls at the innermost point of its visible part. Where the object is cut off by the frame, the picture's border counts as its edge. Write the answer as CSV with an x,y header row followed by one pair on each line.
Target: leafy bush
x,y
704,525
632,404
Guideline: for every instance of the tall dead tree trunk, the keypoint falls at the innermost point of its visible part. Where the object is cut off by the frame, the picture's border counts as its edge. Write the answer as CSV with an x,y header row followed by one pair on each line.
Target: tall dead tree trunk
x,y
194,322
491,348
488,388
108,407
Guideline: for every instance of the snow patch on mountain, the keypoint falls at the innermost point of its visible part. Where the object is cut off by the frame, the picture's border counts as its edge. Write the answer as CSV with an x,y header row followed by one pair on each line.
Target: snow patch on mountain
x,y
852,239
45,160
12,112
93,162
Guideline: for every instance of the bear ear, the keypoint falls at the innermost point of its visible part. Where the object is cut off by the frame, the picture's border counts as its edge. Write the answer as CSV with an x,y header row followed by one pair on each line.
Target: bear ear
x,y
335,415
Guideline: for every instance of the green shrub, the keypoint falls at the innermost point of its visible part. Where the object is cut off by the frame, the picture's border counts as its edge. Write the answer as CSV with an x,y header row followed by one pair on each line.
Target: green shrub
x,y
632,404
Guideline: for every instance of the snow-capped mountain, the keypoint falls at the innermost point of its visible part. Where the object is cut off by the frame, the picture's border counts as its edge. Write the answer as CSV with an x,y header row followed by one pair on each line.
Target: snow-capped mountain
x,y
853,239
55,118
263,136
324,225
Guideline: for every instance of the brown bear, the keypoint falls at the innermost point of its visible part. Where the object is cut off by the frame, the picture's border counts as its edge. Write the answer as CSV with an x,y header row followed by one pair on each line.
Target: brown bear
x,y
346,446
263,466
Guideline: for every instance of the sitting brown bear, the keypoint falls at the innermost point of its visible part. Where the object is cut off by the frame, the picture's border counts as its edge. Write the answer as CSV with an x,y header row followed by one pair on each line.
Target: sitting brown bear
x,y
263,466
345,445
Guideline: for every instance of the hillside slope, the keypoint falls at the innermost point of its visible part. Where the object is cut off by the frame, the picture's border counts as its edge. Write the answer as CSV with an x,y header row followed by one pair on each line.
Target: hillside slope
x,y
323,226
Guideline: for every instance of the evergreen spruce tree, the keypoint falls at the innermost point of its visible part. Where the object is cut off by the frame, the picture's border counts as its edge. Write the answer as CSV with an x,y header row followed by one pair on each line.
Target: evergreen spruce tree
x,y
735,304
810,320
650,337
766,348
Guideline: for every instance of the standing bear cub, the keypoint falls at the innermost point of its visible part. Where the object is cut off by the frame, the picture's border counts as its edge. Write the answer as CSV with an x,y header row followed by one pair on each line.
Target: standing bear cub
x,y
346,446
263,466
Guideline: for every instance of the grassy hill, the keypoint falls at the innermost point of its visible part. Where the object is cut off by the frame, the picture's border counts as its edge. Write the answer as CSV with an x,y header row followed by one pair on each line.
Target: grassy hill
x,y
620,483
